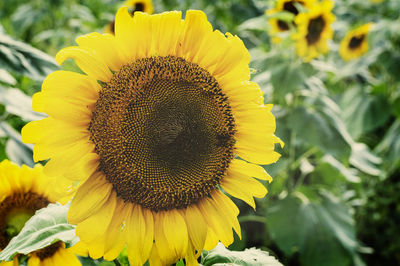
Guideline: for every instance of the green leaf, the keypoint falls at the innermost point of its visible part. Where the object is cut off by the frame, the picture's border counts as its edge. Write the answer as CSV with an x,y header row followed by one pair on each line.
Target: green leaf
x,y
319,129
180,263
350,174
323,232
24,59
222,256
389,147
283,15
6,77
363,112
287,77
362,158
257,23
18,103
47,226
16,150
87,261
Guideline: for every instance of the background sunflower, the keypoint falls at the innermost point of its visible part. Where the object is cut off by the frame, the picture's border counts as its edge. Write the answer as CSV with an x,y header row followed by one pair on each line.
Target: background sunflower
x,y
24,191
314,30
278,25
355,43
334,198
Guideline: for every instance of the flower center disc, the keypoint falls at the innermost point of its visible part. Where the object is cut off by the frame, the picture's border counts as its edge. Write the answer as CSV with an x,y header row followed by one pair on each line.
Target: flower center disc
x,y
15,210
314,29
356,41
289,7
164,132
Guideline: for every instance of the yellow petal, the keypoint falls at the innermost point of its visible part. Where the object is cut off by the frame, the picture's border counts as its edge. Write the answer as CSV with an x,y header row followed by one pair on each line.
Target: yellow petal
x,y
224,233
34,132
147,244
249,169
197,227
243,92
91,196
124,29
84,168
33,261
115,232
227,210
88,62
243,187
211,239
236,55
165,252
60,163
103,46
71,85
258,155
95,225
166,31
237,192
138,239
190,258
195,27
175,231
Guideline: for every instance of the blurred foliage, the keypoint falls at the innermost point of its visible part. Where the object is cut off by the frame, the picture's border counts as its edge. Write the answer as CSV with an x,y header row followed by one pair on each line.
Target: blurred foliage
x,y
334,198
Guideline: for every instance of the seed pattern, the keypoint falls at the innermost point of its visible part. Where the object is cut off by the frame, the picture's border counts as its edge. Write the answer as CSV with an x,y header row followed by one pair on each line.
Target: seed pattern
x,y
164,132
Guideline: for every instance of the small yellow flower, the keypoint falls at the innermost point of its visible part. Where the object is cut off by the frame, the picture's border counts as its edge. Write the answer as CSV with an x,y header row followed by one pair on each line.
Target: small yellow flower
x,y
277,25
23,191
355,44
314,30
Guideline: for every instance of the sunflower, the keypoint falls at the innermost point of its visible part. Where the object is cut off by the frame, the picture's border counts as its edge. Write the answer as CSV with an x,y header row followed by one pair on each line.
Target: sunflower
x,y
277,25
355,44
314,30
22,192
133,6
154,131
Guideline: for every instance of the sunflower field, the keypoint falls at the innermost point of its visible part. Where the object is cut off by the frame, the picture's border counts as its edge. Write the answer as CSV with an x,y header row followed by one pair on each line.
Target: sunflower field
x,y
199,132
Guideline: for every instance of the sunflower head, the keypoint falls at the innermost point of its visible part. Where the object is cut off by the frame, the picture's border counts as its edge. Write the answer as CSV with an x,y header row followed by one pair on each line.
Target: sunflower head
x,y
133,6
314,30
277,25
153,131
23,191
355,44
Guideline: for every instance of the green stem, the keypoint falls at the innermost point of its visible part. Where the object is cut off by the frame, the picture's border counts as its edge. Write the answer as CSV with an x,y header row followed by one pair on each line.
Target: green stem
x,y
305,155
252,218
116,262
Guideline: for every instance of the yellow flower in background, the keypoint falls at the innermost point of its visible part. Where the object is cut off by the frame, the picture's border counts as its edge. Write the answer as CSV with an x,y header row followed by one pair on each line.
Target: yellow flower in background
x,y
23,191
277,25
133,6
152,132
355,44
314,30
139,5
